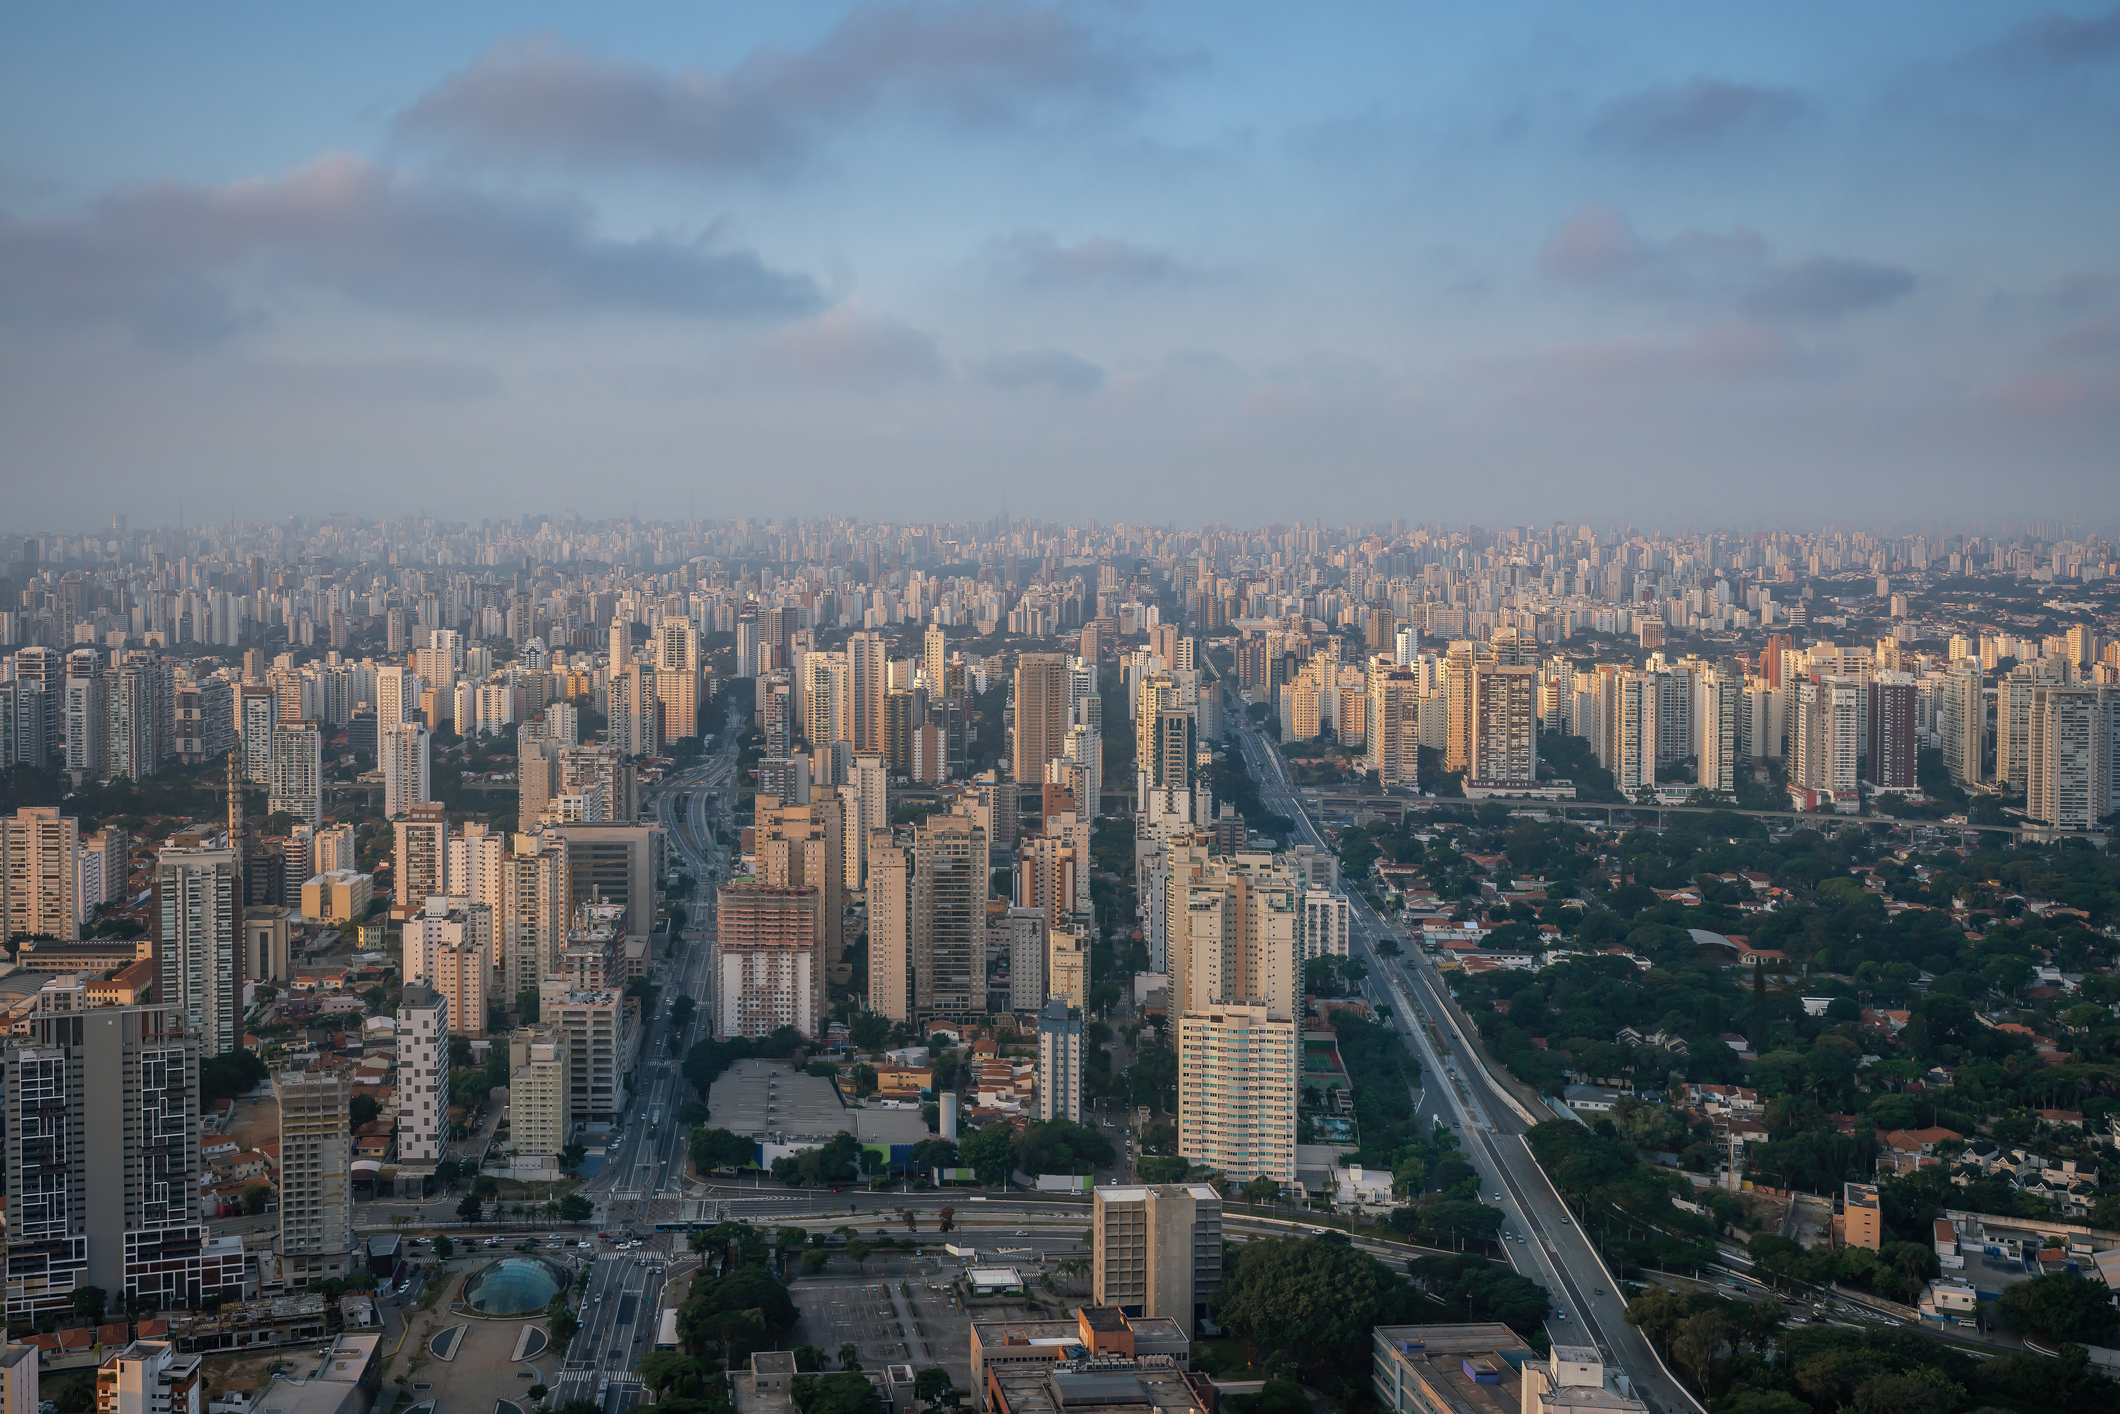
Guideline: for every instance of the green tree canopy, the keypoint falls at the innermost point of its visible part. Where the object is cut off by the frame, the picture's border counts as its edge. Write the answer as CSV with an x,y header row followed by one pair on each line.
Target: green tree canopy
x,y
1311,1301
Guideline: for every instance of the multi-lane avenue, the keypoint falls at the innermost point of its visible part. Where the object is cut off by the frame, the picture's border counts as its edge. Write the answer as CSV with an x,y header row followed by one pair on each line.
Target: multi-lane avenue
x,y
1545,1243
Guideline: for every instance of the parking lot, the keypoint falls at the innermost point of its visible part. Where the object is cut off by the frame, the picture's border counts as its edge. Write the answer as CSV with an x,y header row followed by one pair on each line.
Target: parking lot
x,y
890,1316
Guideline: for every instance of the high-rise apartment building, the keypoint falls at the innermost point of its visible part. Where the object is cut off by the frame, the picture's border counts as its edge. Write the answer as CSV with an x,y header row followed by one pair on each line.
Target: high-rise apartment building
x,y
1237,1073
1156,1250
540,1097
2065,782
890,897
934,659
1894,745
677,678
257,719
531,923
804,846
1393,723
198,909
424,1026
1067,963
1502,749
40,891
1059,1062
1024,944
868,683
1041,714
296,779
316,1174
766,963
402,753
948,944
449,948
422,867
102,1148
84,715
1718,707
1234,931
1961,716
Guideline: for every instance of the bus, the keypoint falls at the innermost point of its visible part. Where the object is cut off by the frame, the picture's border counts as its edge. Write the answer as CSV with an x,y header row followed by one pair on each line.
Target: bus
x,y
666,1329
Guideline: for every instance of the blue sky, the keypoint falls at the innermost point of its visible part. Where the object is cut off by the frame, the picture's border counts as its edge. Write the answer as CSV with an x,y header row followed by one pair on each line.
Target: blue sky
x,y
1660,263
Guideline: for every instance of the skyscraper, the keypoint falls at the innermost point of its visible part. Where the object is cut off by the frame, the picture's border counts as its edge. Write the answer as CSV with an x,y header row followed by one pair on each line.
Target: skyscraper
x,y
1894,746
1059,1063
316,1173
39,855
2063,784
1237,1071
297,775
102,1147
402,752
257,718
1502,749
1041,714
1962,722
868,681
422,856
424,1028
766,963
198,912
890,896
949,916
531,922
677,678
1718,705
804,846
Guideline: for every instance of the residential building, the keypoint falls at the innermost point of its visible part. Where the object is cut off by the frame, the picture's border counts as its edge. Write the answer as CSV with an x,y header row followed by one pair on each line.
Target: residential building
x,y
1067,951
677,678
890,903
198,909
804,847
338,897
2070,741
1894,744
1860,1222
93,1201
1156,1250
1024,944
601,1033
1059,1062
1502,749
423,1031
1237,1072
766,965
316,1174
948,932
422,856
449,948
18,1379
1042,694
1328,922
531,924
1962,722
540,1095
150,1377
102,871
40,891
402,753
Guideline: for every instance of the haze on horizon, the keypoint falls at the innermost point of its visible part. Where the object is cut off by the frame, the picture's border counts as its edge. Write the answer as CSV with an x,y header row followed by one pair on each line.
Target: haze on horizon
x,y
1232,263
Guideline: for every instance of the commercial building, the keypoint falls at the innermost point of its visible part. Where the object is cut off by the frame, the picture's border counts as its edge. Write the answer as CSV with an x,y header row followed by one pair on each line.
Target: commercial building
x,y
1059,1063
423,1030
1148,1384
1042,699
766,965
93,1201
948,943
1860,1222
1156,1250
618,863
197,909
1237,1072
601,1034
316,1174
1098,1332
1486,1368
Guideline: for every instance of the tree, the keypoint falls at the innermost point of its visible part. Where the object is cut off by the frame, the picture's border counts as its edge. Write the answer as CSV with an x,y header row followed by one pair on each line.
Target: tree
x,y
1311,1302
808,1359
571,1156
364,1110
564,1324
444,1246
255,1197
232,1073
912,1219
989,1151
869,1030
666,1368
88,1301
930,1384
815,1260
2062,1306
849,1356
946,1219
576,1208
1280,1397
468,1207
848,1392
1262,1189
721,1149
858,1253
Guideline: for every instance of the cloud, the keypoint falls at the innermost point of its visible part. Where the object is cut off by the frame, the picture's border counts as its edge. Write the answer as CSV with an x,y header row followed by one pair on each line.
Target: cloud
x,y
1596,246
844,345
173,262
1042,369
2057,41
2056,394
1037,259
389,377
538,97
1698,111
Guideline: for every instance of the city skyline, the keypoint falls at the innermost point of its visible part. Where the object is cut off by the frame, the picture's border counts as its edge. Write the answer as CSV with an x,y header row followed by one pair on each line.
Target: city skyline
x,y
934,262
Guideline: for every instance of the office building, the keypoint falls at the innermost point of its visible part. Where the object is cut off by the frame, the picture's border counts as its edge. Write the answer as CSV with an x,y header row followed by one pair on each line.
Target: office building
x,y
1237,1073
316,1174
423,1031
198,909
1486,1367
618,863
96,1202
1156,1250
40,858
1042,698
766,962
402,753
1059,1062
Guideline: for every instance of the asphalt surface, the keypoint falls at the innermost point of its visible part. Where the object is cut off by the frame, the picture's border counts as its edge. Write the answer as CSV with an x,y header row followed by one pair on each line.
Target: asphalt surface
x,y
1554,1251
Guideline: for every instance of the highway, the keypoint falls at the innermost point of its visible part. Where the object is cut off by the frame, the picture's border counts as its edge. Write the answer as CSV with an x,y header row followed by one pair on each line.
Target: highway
x,y
1554,1251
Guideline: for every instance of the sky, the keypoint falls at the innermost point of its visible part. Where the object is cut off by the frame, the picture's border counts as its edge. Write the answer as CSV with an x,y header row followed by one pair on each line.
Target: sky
x,y
1668,264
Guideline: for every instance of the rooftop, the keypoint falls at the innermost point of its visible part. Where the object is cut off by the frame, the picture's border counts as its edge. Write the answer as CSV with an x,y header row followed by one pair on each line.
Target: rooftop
x,y
756,1097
